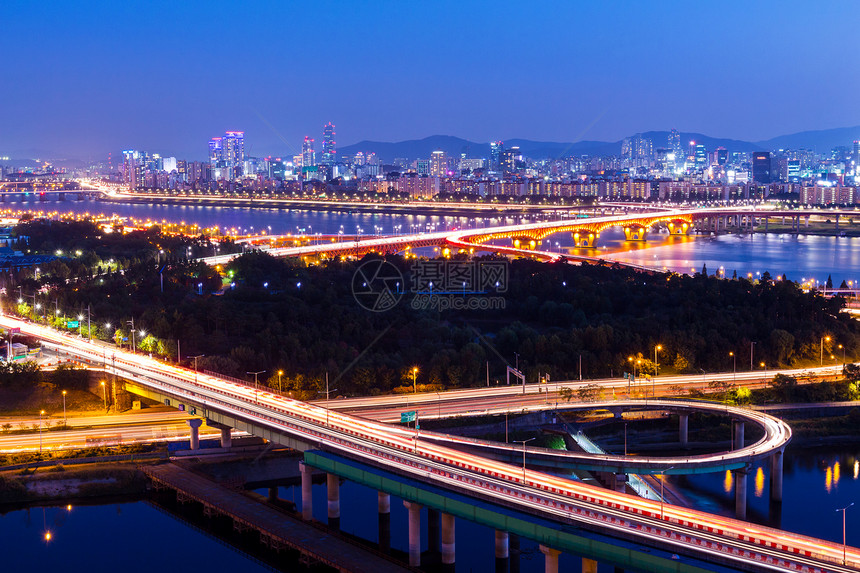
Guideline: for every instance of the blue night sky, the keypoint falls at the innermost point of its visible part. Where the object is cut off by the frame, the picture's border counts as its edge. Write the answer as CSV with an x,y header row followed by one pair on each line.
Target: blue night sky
x,y
83,78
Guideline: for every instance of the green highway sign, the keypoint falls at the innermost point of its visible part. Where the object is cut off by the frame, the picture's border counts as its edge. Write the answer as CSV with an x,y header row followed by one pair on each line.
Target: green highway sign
x,y
72,324
408,416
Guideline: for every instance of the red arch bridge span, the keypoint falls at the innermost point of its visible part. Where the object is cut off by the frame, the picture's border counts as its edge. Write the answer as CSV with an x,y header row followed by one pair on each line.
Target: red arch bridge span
x,y
525,240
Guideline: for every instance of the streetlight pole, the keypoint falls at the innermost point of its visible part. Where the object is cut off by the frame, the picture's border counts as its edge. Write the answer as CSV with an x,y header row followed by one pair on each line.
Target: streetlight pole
x,y
414,378
653,383
821,354
662,481
280,388
64,408
752,346
195,365
734,368
844,545
104,394
524,442
41,412
255,383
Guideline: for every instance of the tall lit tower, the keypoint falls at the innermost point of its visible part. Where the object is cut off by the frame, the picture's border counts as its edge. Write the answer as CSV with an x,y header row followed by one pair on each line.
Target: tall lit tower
x,y
329,147
215,147
233,149
438,163
308,158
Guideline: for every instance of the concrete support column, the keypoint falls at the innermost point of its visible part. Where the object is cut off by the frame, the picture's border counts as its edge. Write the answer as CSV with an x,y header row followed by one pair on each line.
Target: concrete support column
x,y
776,476
502,552
448,553
740,493
683,429
551,559
384,502
589,565
226,438
333,489
384,508
195,424
502,548
433,526
739,434
273,494
514,560
414,533
307,492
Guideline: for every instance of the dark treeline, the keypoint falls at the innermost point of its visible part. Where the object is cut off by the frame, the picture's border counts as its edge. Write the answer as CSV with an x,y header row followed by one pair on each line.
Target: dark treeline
x,y
303,320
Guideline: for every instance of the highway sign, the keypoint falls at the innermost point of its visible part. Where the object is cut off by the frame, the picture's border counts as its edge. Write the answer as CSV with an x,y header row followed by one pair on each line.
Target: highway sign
x,y
408,416
72,324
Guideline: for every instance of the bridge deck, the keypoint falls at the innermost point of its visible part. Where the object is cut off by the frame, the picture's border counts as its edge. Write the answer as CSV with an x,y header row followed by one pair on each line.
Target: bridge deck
x,y
272,524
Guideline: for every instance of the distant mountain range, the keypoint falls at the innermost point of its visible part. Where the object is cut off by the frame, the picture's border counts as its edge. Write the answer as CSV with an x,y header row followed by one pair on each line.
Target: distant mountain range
x,y
819,141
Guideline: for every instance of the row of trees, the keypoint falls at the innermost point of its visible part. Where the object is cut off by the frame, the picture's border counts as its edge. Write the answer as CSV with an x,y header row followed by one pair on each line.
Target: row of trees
x,y
303,321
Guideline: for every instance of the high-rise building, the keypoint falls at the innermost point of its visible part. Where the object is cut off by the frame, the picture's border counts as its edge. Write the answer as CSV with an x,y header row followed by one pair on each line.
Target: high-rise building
x,y
215,147
496,148
675,143
329,147
701,156
438,164
761,167
308,158
134,168
233,151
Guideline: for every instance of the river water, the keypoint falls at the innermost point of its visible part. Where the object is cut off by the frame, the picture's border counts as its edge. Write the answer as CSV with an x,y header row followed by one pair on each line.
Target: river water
x,y
799,257
138,537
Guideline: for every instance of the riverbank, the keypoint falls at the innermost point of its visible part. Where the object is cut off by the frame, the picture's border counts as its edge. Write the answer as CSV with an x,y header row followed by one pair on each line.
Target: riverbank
x,y
69,483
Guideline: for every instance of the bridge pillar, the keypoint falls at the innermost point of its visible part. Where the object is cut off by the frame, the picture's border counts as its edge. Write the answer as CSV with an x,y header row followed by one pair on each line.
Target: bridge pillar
x,y
739,434
226,438
776,476
273,494
194,424
551,561
433,525
333,489
414,533
502,551
589,565
307,492
584,239
635,233
448,553
683,427
384,508
740,493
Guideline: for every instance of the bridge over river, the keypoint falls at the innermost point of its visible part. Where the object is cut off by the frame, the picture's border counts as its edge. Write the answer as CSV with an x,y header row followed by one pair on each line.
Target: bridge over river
x,y
563,515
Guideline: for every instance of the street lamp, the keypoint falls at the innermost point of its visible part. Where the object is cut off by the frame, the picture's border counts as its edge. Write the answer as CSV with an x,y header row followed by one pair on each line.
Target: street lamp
x,y
414,378
195,365
821,354
64,408
763,367
104,394
844,547
734,367
842,348
653,388
280,373
524,442
41,413
255,382
662,481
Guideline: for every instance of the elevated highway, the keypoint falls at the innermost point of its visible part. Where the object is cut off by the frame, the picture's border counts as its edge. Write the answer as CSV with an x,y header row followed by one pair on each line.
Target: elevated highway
x,y
304,426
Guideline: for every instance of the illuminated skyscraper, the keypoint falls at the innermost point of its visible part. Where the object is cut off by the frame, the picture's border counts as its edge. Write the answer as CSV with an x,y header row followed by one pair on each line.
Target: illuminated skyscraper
x,y
761,167
329,147
233,151
496,148
438,164
308,158
675,143
215,146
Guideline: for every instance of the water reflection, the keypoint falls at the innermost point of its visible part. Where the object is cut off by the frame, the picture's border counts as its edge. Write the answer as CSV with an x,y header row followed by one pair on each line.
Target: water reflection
x,y
759,482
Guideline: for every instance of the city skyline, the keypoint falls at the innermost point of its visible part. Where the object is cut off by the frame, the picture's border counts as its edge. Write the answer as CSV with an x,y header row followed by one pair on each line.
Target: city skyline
x,y
149,79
